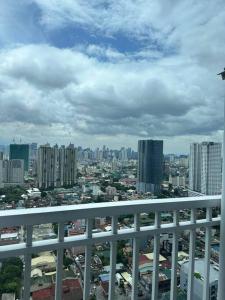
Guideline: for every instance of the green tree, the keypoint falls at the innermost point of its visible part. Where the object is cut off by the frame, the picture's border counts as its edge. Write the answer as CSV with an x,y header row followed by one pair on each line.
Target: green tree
x,y
12,269
55,228
43,194
10,276
99,198
13,261
67,261
11,287
197,275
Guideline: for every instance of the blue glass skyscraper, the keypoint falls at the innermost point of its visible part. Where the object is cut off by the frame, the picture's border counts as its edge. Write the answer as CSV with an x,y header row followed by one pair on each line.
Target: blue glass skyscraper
x,y
150,165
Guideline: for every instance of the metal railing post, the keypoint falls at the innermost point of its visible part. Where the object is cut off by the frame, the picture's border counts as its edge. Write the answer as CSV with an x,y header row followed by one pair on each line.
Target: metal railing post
x,y
59,265
135,260
88,253
208,236
174,256
190,291
27,262
155,276
221,289
113,252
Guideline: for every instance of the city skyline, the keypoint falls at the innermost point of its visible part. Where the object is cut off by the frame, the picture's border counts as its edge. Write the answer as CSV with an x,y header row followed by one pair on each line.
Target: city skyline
x,y
167,149
85,71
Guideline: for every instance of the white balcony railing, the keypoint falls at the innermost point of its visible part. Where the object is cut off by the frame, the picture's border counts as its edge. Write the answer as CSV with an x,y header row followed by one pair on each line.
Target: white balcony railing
x,y
62,214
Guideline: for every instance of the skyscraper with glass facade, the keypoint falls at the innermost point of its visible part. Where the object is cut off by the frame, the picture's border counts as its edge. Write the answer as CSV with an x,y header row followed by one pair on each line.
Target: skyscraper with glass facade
x,y
150,165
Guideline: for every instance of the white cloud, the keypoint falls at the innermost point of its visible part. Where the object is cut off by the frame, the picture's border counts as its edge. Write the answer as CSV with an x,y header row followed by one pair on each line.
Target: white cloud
x,y
103,98
166,89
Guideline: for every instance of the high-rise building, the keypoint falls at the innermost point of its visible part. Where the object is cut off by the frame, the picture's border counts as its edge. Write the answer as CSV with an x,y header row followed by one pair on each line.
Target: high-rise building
x,y
205,173
67,165
33,158
15,171
211,168
20,151
56,166
33,151
1,174
5,150
123,154
195,167
150,165
46,167
11,172
177,180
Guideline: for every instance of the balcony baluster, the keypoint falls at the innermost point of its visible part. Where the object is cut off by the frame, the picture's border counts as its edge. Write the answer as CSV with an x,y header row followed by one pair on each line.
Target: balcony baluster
x,y
88,253
59,266
192,257
155,277
27,263
173,289
135,261
208,234
113,253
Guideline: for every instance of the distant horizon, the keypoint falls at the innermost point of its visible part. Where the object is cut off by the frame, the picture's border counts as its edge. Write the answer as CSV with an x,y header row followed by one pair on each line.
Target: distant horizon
x,y
107,146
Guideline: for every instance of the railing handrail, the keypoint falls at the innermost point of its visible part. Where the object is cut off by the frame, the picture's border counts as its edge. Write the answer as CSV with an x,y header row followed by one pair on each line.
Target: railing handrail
x,y
65,213
62,214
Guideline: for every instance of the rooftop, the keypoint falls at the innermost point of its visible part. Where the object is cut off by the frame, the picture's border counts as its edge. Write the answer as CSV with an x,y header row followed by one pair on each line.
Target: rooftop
x,y
200,268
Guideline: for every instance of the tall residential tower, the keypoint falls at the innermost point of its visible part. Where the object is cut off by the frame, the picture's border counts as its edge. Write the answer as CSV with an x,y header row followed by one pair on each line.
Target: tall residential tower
x,y
195,167
205,173
56,166
211,168
67,165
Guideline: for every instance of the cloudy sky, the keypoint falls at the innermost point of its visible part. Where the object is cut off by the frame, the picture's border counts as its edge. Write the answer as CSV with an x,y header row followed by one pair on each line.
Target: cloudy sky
x,y
97,72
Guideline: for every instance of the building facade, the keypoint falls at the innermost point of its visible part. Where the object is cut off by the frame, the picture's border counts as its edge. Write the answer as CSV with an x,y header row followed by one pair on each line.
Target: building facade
x,y
67,165
199,279
195,167
46,166
56,166
1,173
150,165
11,172
20,151
33,158
177,180
211,168
205,171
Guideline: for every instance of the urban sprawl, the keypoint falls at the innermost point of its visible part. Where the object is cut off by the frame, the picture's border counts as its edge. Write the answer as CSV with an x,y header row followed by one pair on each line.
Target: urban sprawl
x,y
33,176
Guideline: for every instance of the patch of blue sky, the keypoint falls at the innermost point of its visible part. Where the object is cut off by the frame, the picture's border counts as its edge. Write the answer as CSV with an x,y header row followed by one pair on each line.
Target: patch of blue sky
x,y
20,25
73,36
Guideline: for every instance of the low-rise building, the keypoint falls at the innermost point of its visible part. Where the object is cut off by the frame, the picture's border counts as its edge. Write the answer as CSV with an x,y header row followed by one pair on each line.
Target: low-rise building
x,y
71,290
43,232
33,193
45,262
8,296
199,279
